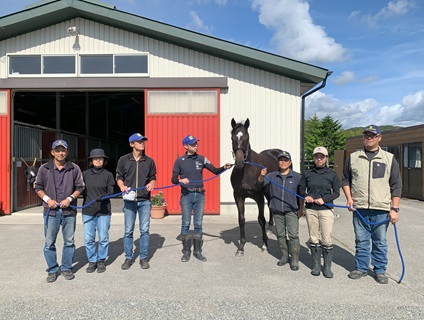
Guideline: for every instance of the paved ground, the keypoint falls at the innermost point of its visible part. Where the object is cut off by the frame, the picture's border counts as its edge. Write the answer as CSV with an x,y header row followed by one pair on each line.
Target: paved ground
x,y
225,287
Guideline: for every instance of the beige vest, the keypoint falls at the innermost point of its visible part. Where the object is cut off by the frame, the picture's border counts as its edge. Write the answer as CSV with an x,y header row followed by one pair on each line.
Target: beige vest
x,y
370,180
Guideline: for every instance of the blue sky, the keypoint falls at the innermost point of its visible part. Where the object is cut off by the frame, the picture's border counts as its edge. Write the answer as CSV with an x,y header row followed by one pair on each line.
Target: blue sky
x,y
374,48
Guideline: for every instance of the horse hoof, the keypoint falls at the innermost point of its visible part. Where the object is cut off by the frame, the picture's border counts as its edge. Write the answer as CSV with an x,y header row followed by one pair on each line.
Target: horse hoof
x,y
264,248
239,253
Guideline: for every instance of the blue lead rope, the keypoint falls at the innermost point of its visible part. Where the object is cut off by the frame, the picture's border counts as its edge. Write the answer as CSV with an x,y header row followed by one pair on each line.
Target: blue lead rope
x,y
356,211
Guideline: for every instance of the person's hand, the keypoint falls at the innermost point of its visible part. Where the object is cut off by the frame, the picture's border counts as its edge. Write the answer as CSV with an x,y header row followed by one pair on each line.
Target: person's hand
x,y
124,189
52,204
394,216
227,166
299,213
65,203
264,172
309,199
150,186
349,204
319,201
184,181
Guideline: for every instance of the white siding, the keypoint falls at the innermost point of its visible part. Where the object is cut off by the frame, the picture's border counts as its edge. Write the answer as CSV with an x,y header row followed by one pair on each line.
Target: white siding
x,y
271,102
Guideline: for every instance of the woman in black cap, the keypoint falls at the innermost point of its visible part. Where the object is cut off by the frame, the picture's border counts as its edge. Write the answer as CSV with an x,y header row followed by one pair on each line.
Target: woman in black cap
x,y
99,182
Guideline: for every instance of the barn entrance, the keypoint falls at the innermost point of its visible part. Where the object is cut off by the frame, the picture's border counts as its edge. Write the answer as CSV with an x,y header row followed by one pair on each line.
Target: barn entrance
x,y
85,119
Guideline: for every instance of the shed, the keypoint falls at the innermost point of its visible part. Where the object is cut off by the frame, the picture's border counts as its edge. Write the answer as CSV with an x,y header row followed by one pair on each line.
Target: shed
x,y
91,74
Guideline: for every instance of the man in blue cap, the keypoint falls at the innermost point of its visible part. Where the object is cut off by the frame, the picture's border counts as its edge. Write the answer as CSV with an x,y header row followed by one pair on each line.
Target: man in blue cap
x,y
135,170
372,185
59,183
187,172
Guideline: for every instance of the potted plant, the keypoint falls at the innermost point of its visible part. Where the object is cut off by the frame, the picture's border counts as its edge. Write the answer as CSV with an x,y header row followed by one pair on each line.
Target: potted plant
x,y
158,205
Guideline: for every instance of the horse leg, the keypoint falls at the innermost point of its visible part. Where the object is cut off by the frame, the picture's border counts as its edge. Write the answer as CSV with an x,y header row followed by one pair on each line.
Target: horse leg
x,y
242,222
262,223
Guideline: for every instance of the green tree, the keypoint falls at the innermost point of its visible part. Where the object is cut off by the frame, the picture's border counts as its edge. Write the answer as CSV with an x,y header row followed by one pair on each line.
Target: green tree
x,y
325,132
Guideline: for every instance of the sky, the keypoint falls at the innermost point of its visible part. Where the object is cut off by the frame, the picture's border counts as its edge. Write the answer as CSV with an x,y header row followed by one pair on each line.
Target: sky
x,y
375,48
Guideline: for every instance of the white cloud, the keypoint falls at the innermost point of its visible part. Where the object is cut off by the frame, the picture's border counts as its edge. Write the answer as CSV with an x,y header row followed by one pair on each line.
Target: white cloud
x,y
197,24
295,34
344,77
393,8
361,113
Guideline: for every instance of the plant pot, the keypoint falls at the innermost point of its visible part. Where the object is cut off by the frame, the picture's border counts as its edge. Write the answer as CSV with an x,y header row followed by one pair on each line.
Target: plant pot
x,y
158,212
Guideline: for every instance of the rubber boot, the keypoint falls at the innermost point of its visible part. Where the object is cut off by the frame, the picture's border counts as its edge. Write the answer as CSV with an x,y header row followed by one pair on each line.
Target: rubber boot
x,y
328,257
282,243
294,253
197,252
186,248
316,256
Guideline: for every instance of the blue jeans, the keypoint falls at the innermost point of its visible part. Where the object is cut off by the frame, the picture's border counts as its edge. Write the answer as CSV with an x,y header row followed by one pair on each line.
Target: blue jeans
x,y
130,214
376,234
51,230
102,224
192,202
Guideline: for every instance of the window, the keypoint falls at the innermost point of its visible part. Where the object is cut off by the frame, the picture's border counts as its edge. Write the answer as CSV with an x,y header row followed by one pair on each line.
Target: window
x,y
59,65
24,65
96,64
131,64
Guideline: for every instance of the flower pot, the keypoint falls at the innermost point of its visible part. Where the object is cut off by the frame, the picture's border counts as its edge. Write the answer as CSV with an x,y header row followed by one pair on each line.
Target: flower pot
x,y
158,212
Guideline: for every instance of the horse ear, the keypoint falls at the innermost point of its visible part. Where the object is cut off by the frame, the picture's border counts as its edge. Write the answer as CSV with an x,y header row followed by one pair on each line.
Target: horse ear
x,y
233,123
247,123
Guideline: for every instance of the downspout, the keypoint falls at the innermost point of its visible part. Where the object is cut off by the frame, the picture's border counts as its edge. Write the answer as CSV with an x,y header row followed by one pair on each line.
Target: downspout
x,y
302,121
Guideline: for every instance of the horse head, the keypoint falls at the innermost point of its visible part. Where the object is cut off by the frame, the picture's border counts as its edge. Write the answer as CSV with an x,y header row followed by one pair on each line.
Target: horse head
x,y
240,142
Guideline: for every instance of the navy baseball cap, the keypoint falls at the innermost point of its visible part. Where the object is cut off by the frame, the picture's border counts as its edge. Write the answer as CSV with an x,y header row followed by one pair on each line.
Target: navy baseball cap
x,y
189,140
61,143
284,154
136,137
373,129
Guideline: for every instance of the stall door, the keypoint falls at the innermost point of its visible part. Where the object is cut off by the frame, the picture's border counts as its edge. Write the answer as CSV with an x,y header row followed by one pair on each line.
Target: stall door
x,y
412,169
170,116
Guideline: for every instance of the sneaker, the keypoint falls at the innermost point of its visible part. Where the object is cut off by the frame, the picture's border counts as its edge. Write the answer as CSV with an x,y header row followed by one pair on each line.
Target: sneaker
x,y
357,274
52,276
144,264
91,267
101,267
68,275
381,278
127,264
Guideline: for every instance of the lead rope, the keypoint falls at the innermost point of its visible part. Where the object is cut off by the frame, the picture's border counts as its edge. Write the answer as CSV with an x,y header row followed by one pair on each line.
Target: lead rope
x,y
356,211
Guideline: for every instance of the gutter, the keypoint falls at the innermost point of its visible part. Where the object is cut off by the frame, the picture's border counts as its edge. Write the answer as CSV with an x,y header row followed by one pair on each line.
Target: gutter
x,y
302,123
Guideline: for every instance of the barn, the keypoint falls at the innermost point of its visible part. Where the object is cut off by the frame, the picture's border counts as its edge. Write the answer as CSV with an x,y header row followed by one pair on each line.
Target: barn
x,y
86,72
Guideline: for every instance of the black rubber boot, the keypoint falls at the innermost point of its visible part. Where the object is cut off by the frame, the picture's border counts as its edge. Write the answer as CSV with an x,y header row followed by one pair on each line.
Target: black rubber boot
x,y
197,252
186,248
282,243
316,256
328,257
294,254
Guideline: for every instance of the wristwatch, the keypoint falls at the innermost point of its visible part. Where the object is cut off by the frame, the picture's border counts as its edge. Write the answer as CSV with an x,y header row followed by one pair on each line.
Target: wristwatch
x,y
394,209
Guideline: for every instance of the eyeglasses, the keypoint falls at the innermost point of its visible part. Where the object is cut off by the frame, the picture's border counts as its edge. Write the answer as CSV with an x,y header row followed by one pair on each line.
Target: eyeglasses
x,y
371,136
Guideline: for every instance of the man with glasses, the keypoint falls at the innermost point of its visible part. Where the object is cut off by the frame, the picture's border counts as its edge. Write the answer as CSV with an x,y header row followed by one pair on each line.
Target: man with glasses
x,y
372,185
59,183
135,170
187,172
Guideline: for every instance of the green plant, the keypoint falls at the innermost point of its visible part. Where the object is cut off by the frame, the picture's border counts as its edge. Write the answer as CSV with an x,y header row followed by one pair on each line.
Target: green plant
x,y
158,199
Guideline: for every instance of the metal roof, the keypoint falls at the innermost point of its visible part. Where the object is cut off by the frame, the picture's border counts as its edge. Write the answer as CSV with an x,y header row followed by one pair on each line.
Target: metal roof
x,y
49,12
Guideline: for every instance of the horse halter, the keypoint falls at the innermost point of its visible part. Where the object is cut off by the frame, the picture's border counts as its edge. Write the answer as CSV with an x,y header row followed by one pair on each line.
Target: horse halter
x,y
245,152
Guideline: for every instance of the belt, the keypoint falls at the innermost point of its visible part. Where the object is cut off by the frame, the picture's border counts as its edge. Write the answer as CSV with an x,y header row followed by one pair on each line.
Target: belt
x,y
195,189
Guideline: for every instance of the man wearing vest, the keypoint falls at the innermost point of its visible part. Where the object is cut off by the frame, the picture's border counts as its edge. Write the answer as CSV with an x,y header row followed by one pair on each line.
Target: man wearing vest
x,y
372,185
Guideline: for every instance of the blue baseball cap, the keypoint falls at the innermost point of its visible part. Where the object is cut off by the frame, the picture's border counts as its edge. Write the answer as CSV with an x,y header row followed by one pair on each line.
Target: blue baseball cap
x,y
136,137
284,154
373,129
189,140
61,143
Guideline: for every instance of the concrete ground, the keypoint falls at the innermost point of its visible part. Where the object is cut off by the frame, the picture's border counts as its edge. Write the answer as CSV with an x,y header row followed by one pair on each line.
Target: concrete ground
x,y
224,287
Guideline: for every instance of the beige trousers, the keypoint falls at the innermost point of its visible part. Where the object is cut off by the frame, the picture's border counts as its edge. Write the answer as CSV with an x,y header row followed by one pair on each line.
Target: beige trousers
x,y
320,225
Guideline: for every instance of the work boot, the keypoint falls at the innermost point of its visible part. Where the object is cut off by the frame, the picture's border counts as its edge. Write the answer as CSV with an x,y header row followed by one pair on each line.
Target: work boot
x,y
101,266
294,253
186,248
316,256
197,252
282,243
328,257
92,266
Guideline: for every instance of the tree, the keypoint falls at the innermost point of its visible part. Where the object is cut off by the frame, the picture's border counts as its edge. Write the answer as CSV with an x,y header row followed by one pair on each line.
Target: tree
x,y
326,132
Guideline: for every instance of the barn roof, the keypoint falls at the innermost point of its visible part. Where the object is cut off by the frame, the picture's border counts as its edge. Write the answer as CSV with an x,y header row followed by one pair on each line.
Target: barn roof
x,y
49,12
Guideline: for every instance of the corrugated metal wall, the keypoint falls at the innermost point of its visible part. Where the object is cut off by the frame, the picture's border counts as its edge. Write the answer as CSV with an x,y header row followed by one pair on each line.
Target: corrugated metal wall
x,y
5,156
271,102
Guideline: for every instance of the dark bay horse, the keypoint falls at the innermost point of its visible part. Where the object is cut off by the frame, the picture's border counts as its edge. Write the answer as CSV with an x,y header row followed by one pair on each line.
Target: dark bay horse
x,y
244,178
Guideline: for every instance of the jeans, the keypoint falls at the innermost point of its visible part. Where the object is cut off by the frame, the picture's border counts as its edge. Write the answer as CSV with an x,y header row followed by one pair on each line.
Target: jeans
x,y
286,224
192,202
131,208
320,225
364,233
102,224
51,230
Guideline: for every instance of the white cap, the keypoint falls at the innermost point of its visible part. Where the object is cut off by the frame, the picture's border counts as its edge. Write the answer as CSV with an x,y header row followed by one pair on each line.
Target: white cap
x,y
322,150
